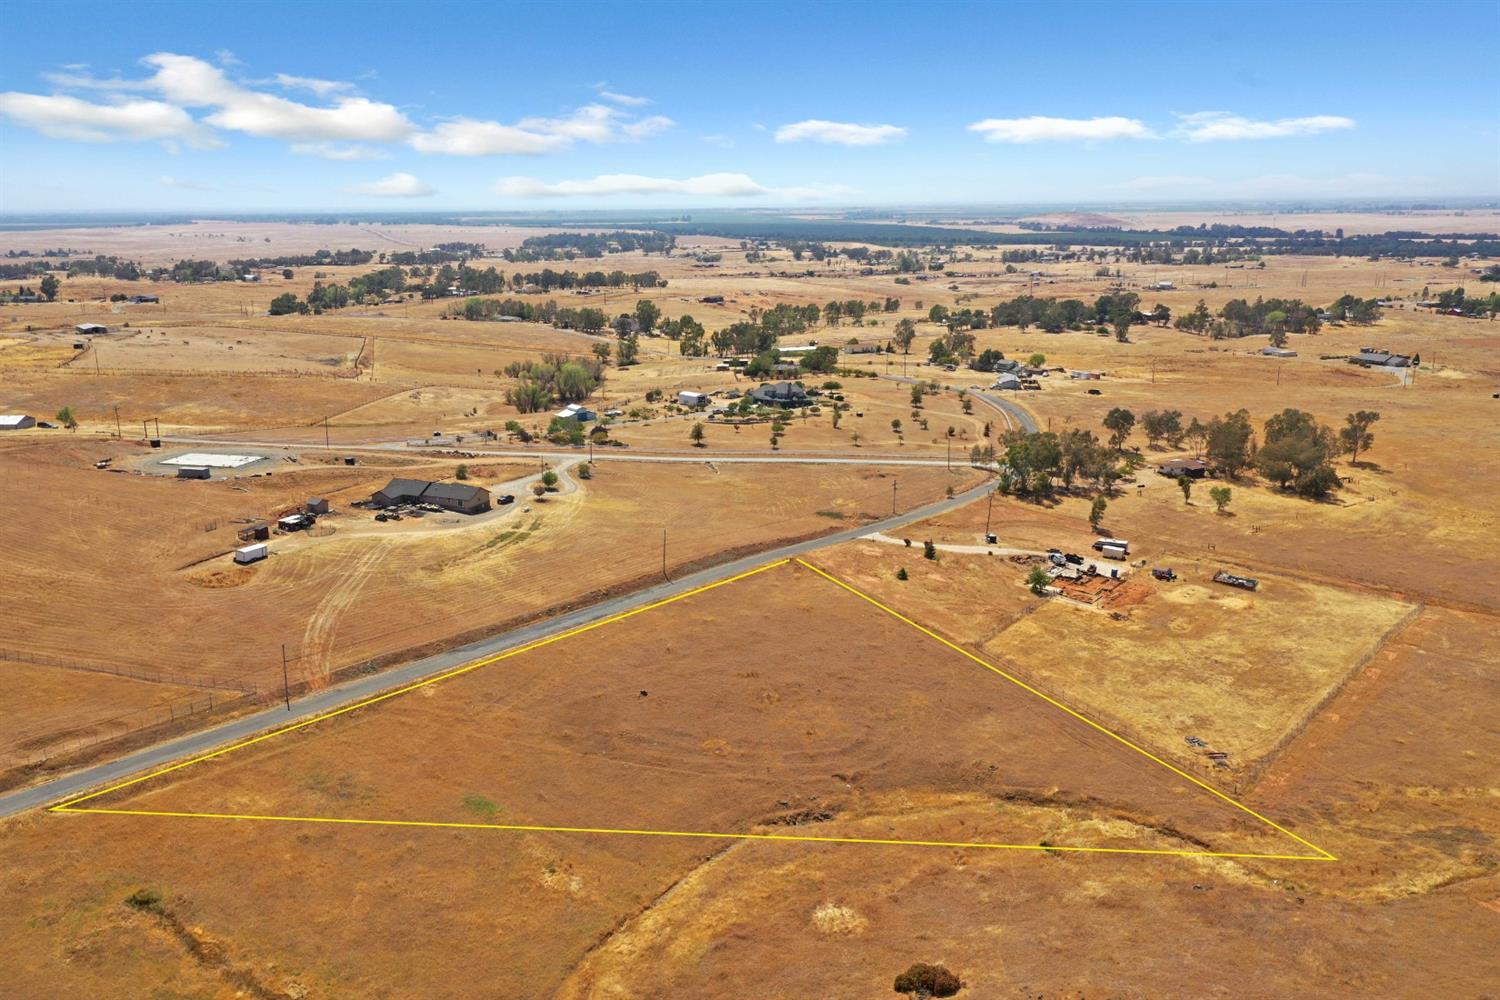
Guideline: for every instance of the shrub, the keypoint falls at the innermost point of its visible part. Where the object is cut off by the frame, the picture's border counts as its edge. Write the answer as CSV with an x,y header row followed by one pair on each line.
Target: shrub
x,y
144,899
929,551
1037,580
923,980
585,471
901,574
462,473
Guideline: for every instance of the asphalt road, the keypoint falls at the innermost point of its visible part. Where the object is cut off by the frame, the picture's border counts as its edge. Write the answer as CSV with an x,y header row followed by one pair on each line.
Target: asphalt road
x,y
194,744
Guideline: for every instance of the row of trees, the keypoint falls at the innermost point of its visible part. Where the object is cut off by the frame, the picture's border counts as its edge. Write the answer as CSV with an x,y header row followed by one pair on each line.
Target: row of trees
x,y
570,246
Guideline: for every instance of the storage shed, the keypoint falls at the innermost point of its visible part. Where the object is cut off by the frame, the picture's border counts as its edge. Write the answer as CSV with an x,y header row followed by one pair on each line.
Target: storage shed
x,y
16,421
688,398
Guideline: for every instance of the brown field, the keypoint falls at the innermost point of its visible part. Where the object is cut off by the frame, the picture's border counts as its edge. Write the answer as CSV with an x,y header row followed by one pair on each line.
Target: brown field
x,y
128,590
732,735
1354,692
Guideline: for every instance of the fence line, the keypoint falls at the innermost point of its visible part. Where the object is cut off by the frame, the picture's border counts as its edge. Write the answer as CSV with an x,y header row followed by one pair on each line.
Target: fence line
x,y
156,677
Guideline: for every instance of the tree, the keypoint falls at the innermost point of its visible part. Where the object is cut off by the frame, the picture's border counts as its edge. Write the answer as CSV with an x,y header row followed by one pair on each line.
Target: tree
x,y
916,397
1036,360
1185,483
922,981
1038,580
462,473
929,550
1119,422
646,314
601,351
906,332
1096,512
549,480
66,418
1230,443
896,425
538,490
49,286
1296,454
1220,496
1355,437
286,303
1159,424
697,434
901,574
628,349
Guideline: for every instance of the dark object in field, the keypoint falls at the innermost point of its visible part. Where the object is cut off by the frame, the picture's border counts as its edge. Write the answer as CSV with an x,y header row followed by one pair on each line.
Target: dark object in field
x,y
1243,582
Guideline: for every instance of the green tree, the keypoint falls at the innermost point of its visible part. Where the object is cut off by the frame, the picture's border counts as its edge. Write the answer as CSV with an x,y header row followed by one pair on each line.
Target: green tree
x,y
628,349
286,303
1355,436
646,314
1036,360
1220,496
1186,485
601,351
49,286
1096,512
462,473
66,418
905,333
929,550
1038,580
916,397
286,273
549,479
901,574
1230,442
697,434
1297,453
1119,422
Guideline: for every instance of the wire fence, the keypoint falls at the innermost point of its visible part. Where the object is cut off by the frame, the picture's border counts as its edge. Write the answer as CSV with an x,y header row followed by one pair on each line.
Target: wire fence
x,y
133,673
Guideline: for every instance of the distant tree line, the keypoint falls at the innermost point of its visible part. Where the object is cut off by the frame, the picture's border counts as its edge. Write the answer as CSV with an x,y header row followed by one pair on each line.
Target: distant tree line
x,y
570,246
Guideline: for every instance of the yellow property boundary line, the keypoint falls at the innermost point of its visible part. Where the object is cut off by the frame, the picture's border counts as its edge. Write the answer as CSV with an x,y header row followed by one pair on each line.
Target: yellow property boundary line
x,y
76,805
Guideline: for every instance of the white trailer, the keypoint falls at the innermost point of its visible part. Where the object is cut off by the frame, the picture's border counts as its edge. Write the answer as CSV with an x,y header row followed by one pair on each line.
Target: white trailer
x,y
1112,552
1118,543
252,553
687,398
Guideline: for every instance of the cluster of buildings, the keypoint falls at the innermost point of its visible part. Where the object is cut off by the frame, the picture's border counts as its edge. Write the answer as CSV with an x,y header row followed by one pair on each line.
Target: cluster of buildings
x,y
460,498
1378,357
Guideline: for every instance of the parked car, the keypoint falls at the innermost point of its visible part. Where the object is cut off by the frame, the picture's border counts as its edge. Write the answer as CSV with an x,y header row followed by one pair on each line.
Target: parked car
x,y
505,498
1165,573
1095,392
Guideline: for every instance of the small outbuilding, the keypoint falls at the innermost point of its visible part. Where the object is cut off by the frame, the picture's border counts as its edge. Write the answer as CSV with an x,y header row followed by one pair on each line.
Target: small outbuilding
x,y
251,553
688,398
194,472
1006,380
293,522
16,421
576,411
1278,352
1183,468
91,329
317,505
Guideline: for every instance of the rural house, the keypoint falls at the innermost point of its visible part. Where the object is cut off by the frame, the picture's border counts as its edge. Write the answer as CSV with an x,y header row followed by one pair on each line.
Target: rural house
x,y
459,497
786,394
576,411
88,329
1375,357
1183,468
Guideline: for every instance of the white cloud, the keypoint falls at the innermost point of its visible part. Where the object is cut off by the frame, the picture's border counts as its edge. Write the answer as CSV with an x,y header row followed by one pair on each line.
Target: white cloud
x,y
63,117
590,123
840,133
398,185
1038,128
343,154
322,88
337,128
227,58
646,127
708,185
625,99
169,181
1214,126
467,137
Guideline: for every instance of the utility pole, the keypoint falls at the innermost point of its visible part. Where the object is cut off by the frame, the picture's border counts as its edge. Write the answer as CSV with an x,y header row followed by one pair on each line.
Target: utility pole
x,y
893,498
988,511
145,429
326,444
119,433
664,553
286,687
96,359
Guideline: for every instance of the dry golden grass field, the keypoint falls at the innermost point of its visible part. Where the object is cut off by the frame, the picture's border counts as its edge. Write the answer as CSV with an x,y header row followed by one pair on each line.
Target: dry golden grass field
x,y
1351,698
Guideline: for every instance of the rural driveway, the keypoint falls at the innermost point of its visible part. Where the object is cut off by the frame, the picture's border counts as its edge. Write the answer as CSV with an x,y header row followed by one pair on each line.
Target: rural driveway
x,y
194,744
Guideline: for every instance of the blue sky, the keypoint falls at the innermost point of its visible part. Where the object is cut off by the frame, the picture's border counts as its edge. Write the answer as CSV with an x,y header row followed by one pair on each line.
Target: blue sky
x,y
191,107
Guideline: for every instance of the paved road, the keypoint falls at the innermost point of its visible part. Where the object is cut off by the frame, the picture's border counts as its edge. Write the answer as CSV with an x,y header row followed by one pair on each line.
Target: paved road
x,y
1015,414
194,744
